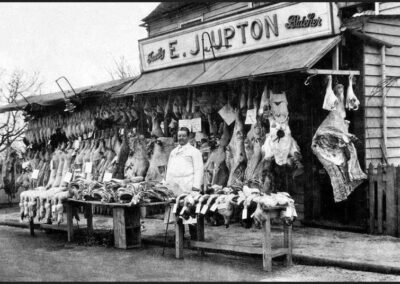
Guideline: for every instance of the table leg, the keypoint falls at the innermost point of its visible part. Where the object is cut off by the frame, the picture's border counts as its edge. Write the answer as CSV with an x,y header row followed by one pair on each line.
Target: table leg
x,y
31,226
287,243
179,238
200,232
70,221
267,240
89,216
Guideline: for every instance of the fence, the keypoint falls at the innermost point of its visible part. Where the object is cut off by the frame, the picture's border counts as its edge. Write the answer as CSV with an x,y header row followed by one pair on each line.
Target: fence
x,y
384,200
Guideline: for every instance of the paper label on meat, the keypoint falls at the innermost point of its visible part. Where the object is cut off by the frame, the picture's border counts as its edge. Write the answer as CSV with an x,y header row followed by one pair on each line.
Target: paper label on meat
x,y
107,176
244,213
185,123
198,208
68,177
251,116
227,114
25,165
196,124
175,208
88,167
121,131
204,210
35,174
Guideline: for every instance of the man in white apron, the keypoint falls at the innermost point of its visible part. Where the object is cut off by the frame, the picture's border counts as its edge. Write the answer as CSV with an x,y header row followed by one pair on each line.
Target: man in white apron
x,y
185,165
185,169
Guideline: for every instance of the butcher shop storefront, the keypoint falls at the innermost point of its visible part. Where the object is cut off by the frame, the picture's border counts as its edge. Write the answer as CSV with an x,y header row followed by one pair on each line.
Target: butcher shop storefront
x,y
265,94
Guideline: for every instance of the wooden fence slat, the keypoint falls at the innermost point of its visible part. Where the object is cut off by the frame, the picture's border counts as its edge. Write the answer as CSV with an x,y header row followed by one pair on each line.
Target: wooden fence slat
x,y
391,221
371,196
379,198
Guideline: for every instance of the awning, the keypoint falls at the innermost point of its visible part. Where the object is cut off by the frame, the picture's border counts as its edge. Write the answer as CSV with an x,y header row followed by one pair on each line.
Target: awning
x,y
295,57
58,97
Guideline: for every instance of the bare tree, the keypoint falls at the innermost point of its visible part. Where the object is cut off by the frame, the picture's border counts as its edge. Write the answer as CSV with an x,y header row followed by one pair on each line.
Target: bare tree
x,y
14,87
122,69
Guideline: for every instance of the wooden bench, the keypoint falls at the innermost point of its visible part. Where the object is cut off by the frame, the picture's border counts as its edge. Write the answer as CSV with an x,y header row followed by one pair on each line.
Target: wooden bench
x,y
266,251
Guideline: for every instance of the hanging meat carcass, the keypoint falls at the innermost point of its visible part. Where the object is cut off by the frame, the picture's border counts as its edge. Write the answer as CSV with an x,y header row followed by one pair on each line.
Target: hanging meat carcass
x,y
334,148
215,168
330,99
236,155
138,163
352,102
279,146
159,159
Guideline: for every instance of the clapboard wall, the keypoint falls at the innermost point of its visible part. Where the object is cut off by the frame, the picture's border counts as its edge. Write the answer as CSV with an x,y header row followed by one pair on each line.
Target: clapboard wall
x,y
171,21
387,29
389,8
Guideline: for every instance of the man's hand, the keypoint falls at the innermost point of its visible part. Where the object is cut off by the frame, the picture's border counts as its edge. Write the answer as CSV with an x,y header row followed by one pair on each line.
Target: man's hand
x,y
195,189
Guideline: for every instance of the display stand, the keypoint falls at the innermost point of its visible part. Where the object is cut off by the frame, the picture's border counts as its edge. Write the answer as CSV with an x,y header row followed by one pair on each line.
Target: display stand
x,y
267,252
126,220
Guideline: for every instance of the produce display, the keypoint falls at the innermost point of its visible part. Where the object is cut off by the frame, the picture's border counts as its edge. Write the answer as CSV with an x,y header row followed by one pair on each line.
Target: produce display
x,y
118,152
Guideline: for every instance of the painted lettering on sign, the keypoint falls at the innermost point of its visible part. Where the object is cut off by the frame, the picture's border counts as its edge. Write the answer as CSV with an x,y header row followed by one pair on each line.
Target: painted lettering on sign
x,y
154,57
268,26
295,22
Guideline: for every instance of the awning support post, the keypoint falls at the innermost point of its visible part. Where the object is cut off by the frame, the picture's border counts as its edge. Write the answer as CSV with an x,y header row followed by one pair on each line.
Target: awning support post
x,y
384,103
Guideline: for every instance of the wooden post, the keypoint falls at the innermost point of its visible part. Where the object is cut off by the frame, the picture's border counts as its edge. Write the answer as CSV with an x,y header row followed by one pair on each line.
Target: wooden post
x,y
200,232
119,227
371,178
70,221
267,250
287,243
391,220
31,227
89,216
379,199
397,189
178,238
126,223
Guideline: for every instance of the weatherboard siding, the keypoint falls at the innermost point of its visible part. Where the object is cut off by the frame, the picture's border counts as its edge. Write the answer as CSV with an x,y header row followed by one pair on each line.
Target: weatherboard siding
x,y
172,21
388,30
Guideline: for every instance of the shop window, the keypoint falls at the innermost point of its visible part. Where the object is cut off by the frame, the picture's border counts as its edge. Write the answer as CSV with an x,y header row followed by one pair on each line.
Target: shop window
x,y
191,23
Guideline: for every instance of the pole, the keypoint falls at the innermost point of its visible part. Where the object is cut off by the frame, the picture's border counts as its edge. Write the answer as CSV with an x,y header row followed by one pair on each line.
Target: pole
x,y
166,230
202,45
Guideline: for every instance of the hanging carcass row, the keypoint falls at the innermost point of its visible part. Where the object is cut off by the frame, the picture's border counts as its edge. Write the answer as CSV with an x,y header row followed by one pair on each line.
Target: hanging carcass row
x,y
333,145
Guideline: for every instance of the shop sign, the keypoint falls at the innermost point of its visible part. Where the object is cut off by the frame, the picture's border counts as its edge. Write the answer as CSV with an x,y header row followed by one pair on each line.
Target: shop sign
x,y
256,29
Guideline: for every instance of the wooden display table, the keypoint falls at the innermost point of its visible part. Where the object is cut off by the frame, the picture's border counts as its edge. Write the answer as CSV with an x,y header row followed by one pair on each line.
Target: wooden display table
x,y
267,252
126,220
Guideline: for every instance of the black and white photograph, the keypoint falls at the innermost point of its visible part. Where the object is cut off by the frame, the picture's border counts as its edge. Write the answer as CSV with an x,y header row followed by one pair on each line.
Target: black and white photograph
x,y
200,141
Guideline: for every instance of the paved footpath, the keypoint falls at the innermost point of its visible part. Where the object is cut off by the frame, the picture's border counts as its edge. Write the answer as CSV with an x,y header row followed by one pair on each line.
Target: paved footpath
x,y
314,246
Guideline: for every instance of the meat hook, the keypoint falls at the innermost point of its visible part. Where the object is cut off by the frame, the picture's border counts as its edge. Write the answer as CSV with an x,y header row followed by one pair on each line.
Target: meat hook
x,y
306,82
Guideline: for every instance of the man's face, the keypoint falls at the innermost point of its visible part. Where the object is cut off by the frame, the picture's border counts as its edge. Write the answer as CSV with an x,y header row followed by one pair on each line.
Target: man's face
x,y
183,138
